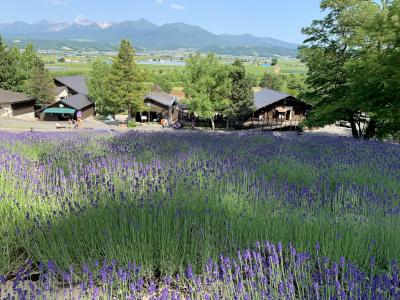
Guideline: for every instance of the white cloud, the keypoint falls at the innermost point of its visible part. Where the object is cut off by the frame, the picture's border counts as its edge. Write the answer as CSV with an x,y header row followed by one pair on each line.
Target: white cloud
x,y
159,1
59,2
178,6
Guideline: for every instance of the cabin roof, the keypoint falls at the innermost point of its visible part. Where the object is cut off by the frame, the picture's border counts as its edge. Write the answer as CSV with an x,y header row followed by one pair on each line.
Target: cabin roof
x,y
13,97
162,98
267,97
78,101
76,83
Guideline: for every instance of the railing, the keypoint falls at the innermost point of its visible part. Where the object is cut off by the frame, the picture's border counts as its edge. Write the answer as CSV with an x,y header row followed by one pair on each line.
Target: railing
x,y
273,124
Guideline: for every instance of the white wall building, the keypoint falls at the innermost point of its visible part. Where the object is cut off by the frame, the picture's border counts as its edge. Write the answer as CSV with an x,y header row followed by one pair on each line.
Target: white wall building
x,y
16,105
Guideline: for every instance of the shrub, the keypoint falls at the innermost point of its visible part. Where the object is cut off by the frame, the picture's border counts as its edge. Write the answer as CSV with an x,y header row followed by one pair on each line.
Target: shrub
x,y
132,123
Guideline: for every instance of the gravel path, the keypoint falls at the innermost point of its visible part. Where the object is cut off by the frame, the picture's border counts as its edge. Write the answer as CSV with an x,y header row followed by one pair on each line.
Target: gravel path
x,y
332,130
91,123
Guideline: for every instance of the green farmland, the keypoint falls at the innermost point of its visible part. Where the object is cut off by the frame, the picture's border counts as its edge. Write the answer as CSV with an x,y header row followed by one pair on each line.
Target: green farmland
x,y
82,65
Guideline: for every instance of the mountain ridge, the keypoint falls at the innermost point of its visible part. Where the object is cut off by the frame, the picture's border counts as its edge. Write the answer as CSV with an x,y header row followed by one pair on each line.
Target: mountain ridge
x,y
146,35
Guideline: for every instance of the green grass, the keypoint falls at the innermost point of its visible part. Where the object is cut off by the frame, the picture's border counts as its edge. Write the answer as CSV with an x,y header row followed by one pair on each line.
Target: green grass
x,y
285,67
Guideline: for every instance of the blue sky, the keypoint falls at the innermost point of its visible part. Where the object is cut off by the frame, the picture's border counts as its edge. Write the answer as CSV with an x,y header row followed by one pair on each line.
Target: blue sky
x,y
281,19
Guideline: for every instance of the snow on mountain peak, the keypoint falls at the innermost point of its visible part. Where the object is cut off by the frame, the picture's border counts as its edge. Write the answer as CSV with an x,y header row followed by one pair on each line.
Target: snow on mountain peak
x,y
81,20
104,25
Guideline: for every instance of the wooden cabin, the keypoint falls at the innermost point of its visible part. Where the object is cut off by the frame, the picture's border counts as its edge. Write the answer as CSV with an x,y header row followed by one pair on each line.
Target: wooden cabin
x,y
17,105
67,108
71,100
159,105
278,110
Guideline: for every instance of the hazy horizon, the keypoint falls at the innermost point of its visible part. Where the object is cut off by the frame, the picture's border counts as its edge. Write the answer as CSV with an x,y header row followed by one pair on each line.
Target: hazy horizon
x,y
281,20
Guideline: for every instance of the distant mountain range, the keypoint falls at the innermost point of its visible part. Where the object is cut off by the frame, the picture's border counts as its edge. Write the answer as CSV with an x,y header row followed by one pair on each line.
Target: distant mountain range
x,y
146,35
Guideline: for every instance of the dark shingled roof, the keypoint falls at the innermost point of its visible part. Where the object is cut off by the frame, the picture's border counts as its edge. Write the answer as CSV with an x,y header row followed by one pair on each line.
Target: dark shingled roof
x,y
13,97
162,98
76,83
267,97
78,101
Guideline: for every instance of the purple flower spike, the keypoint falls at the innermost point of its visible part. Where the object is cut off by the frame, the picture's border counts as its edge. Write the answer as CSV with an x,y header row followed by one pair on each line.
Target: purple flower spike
x,y
189,273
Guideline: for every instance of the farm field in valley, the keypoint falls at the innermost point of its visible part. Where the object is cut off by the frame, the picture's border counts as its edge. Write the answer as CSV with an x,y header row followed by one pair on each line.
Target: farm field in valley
x,y
200,215
82,65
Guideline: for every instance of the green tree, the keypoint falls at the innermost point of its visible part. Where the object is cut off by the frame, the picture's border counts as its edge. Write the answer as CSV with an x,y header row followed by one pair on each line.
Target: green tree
x,y
208,86
29,62
271,81
295,85
242,94
10,72
25,73
35,79
4,65
274,62
326,54
350,55
374,74
41,85
164,82
126,81
99,87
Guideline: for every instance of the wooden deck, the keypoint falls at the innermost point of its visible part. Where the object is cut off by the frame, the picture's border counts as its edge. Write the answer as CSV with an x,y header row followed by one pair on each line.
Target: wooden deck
x,y
272,124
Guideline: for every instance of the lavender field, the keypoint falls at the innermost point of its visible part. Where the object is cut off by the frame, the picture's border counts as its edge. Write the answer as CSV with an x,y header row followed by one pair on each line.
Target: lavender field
x,y
187,215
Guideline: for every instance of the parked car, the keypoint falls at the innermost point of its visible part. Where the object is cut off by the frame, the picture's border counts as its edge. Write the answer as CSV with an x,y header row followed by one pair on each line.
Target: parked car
x,y
343,124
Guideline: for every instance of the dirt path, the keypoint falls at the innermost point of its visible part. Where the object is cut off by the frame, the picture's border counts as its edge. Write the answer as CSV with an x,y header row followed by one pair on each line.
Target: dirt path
x,y
14,124
332,130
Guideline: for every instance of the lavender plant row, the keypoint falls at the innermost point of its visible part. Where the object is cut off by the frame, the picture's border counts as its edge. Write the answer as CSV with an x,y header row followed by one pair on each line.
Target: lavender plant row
x,y
172,199
268,271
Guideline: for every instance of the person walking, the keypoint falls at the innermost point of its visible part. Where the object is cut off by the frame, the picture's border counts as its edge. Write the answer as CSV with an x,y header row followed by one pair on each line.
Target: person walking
x,y
163,120
79,118
193,121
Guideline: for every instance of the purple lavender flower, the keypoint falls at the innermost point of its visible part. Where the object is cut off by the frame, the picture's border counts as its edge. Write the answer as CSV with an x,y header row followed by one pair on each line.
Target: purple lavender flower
x,y
372,262
189,273
3,279
281,289
152,288
316,289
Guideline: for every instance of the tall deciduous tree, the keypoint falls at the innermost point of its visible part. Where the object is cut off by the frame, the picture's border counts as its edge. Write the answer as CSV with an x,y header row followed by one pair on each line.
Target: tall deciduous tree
x,y
351,55
163,81
99,87
326,54
4,71
242,94
126,81
208,86
271,81
374,75
295,85
10,73
25,73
